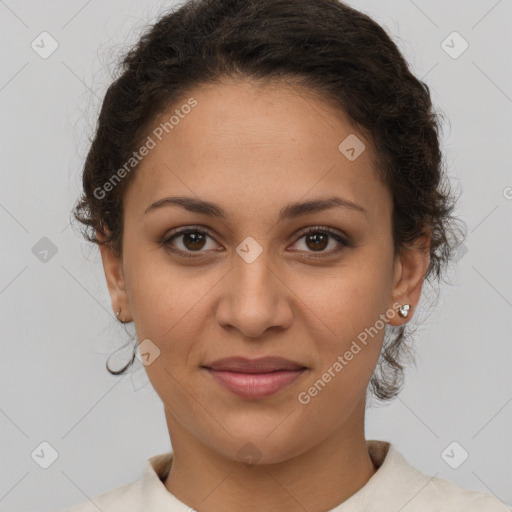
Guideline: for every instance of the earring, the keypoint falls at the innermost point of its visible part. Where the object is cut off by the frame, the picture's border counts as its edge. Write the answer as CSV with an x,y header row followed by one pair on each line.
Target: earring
x,y
117,314
404,310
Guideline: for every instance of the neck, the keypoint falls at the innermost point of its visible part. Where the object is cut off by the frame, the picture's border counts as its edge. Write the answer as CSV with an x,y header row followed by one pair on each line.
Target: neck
x,y
204,479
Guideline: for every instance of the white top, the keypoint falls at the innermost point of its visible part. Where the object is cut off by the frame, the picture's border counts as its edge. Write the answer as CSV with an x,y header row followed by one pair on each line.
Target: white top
x,y
396,485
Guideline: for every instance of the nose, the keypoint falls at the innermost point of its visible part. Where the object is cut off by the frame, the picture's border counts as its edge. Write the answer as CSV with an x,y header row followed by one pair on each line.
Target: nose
x,y
255,298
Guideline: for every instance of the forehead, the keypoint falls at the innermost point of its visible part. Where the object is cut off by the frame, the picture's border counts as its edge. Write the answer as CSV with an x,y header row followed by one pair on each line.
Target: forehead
x,y
256,146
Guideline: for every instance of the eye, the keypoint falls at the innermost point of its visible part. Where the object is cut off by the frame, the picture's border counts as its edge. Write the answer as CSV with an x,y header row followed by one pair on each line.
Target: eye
x,y
317,239
190,239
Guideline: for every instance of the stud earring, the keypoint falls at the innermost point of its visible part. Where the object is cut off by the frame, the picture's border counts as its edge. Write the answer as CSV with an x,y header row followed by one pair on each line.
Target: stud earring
x,y
404,310
117,314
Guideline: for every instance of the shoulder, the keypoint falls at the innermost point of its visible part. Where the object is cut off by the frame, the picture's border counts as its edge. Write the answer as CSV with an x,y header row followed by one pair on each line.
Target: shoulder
x,y
136,496
401,485
120,499
441,494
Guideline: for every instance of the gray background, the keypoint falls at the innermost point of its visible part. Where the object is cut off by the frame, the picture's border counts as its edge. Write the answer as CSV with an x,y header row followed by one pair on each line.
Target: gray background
x,y
57,323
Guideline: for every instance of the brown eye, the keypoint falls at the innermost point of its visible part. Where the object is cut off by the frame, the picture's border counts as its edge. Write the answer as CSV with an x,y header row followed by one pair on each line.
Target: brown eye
x,y
188,241
318,239
193,240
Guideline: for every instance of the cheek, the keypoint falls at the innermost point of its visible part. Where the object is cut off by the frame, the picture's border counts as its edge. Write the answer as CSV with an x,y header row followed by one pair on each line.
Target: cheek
x,y
347,320
157,291
168,311
347,345
169,306
166,307
347,300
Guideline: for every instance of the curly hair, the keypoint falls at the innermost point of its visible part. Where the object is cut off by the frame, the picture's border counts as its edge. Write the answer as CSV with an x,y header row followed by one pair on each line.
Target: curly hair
x,y
329,48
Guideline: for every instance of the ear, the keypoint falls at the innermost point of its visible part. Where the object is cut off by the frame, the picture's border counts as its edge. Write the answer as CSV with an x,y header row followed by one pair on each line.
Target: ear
x,y
113,267
410,268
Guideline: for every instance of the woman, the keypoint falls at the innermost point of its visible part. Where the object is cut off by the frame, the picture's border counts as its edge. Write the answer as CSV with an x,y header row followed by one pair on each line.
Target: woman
x,y
266,190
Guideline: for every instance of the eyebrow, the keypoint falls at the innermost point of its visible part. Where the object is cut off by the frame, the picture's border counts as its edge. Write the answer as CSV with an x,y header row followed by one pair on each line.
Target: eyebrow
x,y
289,211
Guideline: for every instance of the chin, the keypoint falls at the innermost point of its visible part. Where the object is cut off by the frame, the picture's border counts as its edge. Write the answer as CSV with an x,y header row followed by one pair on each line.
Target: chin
x,y
257,446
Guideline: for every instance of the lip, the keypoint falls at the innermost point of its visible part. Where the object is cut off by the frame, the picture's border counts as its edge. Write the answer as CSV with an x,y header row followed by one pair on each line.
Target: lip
x,y
259,365
255,378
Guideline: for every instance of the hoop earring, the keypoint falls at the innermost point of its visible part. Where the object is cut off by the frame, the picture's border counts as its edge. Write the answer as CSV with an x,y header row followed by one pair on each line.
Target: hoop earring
x,y
404,310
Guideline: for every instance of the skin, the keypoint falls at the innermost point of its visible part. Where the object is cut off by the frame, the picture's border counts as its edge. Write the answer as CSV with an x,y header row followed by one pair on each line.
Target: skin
x,y
252,149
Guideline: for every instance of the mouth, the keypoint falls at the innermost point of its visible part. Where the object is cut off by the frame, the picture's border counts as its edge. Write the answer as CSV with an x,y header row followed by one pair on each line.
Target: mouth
x,y
256,378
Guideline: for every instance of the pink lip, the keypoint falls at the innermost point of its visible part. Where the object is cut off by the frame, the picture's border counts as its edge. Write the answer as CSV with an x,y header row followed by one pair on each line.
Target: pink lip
x,y
255,378
259,365
255,385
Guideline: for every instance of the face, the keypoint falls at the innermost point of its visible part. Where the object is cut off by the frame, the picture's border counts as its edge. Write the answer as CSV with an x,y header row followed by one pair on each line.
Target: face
x,y
242,276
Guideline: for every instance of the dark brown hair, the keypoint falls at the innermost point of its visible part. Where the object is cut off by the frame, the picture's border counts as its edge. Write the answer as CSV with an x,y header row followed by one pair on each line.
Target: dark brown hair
x,y
327,47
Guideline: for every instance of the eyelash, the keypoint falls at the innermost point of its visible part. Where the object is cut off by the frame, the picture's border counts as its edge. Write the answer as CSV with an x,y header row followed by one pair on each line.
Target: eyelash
x,y
166,241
